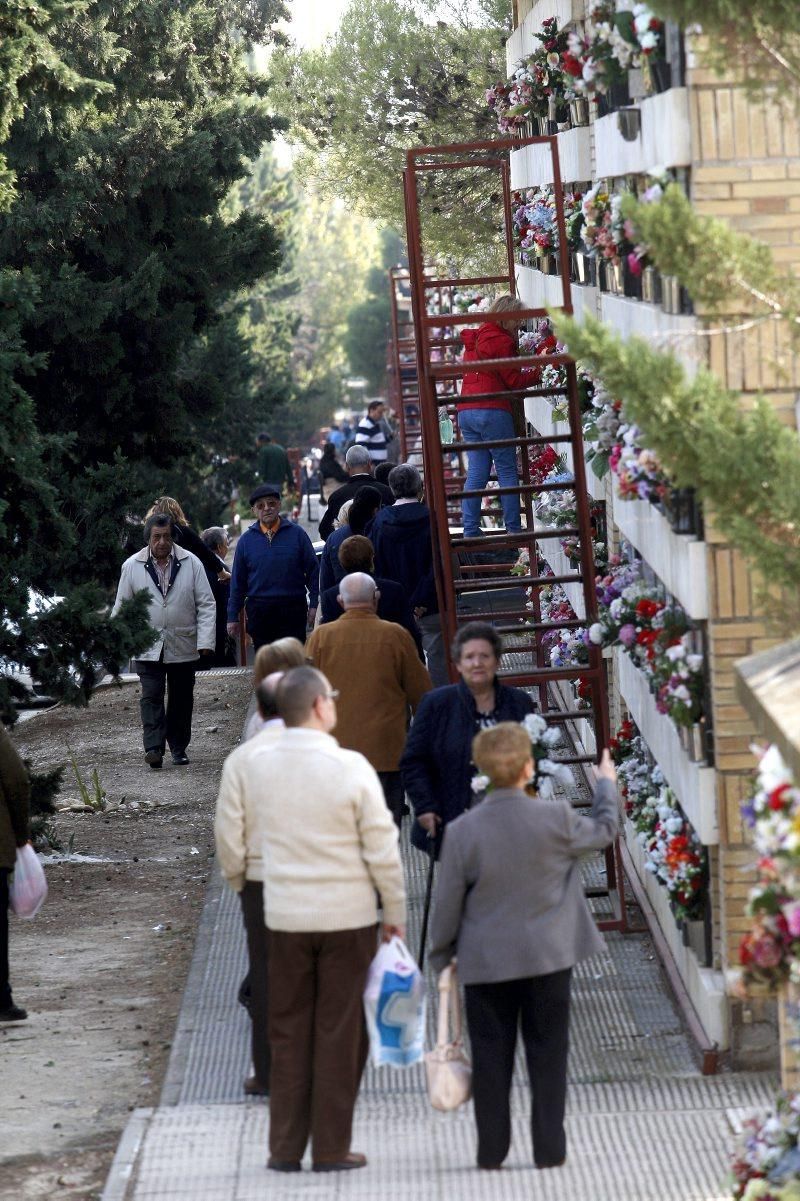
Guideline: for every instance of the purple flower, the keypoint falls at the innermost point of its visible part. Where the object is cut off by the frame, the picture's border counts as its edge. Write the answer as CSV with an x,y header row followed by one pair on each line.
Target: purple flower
x,y
627,635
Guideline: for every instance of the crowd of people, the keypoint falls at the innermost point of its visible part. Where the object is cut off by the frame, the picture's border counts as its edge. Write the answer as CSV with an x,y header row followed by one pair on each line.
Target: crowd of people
x,y
356,725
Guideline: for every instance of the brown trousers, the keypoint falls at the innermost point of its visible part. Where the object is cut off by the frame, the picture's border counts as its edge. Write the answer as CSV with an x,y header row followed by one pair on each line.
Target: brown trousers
x,y
318,1039
252,898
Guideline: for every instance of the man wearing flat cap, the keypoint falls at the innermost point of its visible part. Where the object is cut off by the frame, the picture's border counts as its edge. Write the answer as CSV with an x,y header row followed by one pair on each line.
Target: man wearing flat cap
x,y
275,576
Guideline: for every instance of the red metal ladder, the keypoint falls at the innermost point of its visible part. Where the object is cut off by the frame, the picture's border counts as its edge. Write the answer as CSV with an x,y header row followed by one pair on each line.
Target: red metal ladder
x,y
471,584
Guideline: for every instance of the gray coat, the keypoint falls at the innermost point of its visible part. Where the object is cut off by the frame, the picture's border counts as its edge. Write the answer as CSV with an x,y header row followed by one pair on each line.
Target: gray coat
x,y
509,902
186,618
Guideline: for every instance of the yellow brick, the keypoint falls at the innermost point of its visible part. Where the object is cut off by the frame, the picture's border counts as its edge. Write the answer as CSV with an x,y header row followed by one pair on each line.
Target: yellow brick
x,y
791,144
707,116
777,187
737,629
769,170
705,174
741,121
711,191
734,761
758,133
725,123
775,121
724,584
733,646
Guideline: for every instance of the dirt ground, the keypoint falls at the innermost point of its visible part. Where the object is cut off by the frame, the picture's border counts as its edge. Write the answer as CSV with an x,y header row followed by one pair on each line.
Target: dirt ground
x,y
102,967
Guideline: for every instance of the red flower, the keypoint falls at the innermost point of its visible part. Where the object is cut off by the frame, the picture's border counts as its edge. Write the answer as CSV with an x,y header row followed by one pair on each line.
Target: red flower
x,y
646,637
647,608
777,798
572,65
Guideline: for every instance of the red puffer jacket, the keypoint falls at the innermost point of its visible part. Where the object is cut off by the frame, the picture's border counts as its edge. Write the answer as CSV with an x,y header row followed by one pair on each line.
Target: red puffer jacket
x,y
490,341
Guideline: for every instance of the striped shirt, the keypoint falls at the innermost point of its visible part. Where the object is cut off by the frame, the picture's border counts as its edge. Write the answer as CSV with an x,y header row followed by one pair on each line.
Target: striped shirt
x,y
372,434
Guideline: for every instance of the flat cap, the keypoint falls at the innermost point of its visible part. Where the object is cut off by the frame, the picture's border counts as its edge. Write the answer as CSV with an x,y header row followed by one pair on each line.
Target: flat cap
x,y
264,490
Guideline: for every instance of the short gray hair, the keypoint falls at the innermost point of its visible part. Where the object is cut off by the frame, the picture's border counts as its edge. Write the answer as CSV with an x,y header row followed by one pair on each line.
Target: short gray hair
x,y
405,482
215,536
358,588
357,456
297,692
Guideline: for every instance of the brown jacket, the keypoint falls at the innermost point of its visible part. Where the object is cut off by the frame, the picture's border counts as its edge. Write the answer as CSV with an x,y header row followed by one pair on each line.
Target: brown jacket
x,y
376,668
15,791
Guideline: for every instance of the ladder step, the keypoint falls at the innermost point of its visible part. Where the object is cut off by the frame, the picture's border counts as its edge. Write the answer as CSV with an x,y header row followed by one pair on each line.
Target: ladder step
x,y
517,581
518,491
534,535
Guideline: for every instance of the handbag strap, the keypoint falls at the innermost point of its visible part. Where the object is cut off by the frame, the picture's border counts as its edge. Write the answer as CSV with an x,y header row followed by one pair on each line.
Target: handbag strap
x,y
448,1000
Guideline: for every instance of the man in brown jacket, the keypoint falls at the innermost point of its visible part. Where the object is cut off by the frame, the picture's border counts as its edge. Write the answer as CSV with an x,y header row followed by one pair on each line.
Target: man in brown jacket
x,y
14,818
375,668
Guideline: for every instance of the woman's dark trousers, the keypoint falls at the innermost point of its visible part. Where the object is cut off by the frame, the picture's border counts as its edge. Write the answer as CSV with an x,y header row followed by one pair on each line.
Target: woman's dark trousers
x,y
540,1004
5,987
252,898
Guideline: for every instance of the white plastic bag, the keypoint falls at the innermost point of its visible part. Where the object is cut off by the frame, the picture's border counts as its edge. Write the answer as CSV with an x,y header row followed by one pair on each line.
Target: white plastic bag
x,y
394,1005
28,887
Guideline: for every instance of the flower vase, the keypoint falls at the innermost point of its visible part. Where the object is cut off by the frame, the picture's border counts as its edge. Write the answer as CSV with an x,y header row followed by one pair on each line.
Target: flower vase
x,y
614,277
581,267
632,282
660,74
555,265
698,742
651,286
694,937
618,96
543,126
579,111
684,737
670,294
543,263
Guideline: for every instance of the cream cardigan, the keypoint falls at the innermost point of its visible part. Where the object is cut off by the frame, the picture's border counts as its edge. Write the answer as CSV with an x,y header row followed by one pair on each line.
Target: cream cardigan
x,y
329,841
237,823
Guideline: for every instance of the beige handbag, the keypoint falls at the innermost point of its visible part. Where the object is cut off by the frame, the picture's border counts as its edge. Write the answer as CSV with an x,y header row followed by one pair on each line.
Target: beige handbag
x,y
446,1066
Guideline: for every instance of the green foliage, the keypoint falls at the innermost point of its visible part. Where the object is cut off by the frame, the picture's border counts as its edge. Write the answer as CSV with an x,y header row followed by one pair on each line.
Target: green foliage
x,y
718,265
745,466
93,795
760,42
45,787
122,361
398,75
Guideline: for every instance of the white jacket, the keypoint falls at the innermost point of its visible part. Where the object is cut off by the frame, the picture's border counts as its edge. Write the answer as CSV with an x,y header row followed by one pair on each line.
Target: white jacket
x,y
186,618
329,841
238,828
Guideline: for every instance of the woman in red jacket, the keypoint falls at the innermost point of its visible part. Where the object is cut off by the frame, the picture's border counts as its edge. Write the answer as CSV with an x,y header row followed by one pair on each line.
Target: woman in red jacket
x,y
486,420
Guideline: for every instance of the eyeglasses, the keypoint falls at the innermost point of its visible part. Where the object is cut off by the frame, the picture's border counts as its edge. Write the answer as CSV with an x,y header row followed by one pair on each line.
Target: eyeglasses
x,y
330,696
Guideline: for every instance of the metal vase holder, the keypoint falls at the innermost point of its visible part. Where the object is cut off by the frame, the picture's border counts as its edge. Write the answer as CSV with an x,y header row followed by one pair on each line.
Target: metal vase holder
x,y
670,294
579,112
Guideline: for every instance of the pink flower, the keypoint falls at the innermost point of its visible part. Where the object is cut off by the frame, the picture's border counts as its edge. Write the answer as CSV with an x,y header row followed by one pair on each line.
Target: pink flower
x,y
792,914
767,951
634,264
627,635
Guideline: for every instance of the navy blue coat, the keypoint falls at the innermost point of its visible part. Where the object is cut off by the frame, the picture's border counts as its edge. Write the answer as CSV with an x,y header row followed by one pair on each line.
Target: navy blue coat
x,y
437,762
404,551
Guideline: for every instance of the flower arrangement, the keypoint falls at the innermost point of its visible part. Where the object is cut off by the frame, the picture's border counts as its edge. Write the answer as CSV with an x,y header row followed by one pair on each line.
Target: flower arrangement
x,y
673,852
569,649
544,739
770,952
766,1163
638,470
656,634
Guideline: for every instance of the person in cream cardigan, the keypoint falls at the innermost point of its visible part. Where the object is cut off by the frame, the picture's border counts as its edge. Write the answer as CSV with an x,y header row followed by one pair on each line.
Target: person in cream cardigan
x,y
329,845
510,907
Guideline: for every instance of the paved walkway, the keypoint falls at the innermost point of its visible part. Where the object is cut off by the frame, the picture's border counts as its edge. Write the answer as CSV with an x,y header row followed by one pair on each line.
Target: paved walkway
x,y
643,1124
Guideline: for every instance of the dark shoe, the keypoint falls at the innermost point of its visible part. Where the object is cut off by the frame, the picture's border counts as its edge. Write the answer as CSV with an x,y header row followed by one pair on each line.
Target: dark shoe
x,y
13,1013
283,1165
490,1167
154,758
352,1160
254,1088
180,758
559,1164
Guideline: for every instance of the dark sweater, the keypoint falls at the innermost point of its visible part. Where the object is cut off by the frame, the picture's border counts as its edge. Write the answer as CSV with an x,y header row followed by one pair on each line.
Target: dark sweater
x,y
347,492
437,761
404,552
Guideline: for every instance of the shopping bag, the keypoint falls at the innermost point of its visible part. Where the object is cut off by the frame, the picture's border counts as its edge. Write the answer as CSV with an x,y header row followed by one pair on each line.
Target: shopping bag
x,y
447,1068
394,1005
28,887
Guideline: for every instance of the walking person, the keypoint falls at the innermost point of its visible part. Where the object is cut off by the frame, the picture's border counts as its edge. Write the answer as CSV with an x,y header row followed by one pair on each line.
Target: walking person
x,y
373,433
272,463
275,577
403,545
359,469
15,793
330,471
356,554
239,837
380,681
331,846
183,535
183,614
510,907
215,539
361,513
436,766
277,656
482,420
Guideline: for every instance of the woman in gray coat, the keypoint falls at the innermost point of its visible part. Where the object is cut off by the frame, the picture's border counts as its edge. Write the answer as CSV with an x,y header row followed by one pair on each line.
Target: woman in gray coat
x,y
510,907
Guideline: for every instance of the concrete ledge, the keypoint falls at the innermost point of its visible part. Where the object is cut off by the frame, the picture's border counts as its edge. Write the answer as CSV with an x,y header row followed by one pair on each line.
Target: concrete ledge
x,y
694,784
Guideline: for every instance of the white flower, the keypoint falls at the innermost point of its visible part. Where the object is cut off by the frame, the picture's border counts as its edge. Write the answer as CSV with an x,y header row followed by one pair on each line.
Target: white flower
x,y
596,633
535,726
674,653
479,784
694,662
772,771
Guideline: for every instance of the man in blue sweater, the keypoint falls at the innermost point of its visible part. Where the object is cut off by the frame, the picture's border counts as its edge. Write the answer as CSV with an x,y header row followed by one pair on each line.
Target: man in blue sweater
x,y
275,576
